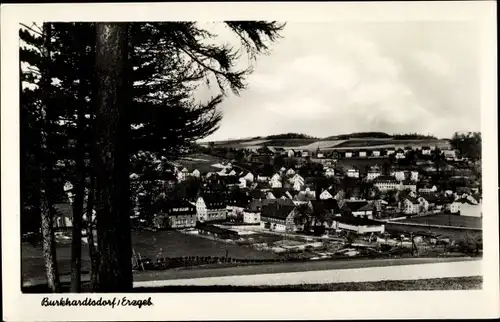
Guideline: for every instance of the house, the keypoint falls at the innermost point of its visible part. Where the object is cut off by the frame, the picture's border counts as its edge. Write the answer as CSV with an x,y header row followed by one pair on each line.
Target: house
x,y
63,216
304,195
196,173
327,194
231,181
410,205
424,204
408,184
400,175
426,150
249,177
276,181
450,154
374,172
362,154
400,154
263,177
278,193
358,208
375,153
352,173
329,172
358,225
297,185
405,193
175,214
211,207
390,151
236,206
251,216
386,183
454,207
304,153
243,183
181,175
257,194
280,151
291,153
278,217
465,207
297,181
348,154
414,175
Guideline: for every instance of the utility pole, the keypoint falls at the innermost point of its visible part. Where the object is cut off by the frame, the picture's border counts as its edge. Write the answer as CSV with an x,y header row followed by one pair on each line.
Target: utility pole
x,y
411,238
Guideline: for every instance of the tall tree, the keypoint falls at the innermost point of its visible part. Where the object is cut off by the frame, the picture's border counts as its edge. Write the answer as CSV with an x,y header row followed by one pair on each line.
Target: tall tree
x,y
111,157
47,204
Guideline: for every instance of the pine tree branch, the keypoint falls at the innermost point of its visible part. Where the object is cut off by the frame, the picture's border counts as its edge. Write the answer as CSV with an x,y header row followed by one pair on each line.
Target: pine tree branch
x,y
33,30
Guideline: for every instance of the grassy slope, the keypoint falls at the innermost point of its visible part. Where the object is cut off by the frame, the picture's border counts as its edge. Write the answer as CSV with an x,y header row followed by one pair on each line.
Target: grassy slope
x,y
325,143
148,244
202,162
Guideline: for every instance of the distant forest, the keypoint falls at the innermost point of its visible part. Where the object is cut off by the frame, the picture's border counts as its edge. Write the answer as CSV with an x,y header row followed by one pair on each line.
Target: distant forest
x,y
380,135
412,136
289,136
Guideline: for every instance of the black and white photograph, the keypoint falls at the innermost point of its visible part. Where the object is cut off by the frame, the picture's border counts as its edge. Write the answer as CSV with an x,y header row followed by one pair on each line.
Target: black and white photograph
x,y
246,156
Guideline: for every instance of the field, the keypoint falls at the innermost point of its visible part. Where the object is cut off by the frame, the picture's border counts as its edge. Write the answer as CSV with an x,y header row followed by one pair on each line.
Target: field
x,y
390,142
202,162
175,244
147,244
443,232
447,220
312,143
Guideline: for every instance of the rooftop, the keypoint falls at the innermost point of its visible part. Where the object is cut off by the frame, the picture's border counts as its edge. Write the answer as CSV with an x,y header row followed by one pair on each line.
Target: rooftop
x,y
357,221
276,210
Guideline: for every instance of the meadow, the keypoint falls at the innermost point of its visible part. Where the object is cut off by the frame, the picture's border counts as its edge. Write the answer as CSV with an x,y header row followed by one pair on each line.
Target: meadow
x,y
447,220
147,244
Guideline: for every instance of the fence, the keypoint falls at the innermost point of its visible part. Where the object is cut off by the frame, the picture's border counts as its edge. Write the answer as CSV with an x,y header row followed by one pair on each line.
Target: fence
x,y
189,261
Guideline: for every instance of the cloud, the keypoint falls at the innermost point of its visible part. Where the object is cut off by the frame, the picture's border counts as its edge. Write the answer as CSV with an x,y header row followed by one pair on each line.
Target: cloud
x,y
433,63
325,79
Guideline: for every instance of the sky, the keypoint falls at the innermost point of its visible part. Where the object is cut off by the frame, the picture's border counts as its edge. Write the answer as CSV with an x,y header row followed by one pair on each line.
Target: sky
x,y
328,78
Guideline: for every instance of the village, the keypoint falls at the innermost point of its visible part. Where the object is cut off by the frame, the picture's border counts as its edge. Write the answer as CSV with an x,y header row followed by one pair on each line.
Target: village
x,y
315,205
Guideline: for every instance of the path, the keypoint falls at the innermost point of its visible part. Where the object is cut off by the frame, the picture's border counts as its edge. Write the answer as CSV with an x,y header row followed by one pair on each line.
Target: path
x,y
371,274
277,268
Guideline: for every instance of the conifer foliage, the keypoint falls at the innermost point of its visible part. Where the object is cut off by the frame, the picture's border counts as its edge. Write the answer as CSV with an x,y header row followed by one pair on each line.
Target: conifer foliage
x,y
93,97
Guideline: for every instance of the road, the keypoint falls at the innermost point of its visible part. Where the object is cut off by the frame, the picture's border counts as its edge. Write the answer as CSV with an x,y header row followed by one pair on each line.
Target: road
x,y
366,274
277,268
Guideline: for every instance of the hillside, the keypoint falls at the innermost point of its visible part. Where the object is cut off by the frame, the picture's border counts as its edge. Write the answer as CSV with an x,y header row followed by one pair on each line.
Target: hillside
x,y
343,141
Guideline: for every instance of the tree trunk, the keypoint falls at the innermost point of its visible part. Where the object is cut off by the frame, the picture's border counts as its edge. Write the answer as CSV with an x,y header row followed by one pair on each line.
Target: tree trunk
x,y
112,159
79,187
93,253
47,189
